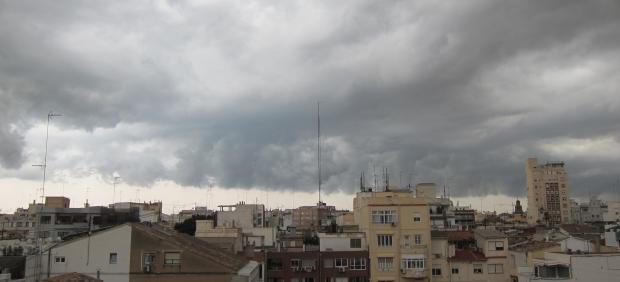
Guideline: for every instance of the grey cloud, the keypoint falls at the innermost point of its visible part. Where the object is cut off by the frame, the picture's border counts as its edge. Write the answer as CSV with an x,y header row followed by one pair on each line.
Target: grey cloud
x,y
435,90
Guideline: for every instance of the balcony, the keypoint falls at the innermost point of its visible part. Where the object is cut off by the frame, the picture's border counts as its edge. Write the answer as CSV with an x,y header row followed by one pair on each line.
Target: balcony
x,y
414,273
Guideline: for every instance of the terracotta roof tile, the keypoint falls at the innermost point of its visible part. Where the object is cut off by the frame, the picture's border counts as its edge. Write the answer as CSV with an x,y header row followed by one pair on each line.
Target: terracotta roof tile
x,y
467,255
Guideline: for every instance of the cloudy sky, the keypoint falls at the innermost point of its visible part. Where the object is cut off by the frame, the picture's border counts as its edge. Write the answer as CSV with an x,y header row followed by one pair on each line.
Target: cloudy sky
x,y
176,96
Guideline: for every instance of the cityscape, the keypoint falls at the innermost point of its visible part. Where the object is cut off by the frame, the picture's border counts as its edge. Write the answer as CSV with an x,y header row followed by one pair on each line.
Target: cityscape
x,y
309,141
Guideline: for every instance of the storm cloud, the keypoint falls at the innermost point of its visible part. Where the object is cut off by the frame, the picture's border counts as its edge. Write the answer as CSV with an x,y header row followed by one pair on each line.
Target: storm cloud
x,y
225,92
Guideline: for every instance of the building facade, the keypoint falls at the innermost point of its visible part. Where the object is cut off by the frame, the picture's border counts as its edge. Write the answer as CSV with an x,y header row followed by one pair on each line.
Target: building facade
x,y
547,193
140,252
338,257
398,230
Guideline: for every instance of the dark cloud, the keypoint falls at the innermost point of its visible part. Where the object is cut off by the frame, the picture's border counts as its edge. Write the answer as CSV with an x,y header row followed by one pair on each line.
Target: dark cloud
x,y
225,93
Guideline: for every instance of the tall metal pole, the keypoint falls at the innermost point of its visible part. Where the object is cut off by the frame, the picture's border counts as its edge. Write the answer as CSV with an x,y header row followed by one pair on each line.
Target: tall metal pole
x,y
47,134
318,146
114,181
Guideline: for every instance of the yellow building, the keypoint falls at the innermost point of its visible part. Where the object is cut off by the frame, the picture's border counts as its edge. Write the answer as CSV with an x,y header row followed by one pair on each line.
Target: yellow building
x,y
397,227
547,193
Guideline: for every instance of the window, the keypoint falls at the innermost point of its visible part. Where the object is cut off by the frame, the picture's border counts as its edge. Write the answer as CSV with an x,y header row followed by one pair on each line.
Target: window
x,y
417,217
384,240
496,245
328,263
59,259
411,263
46,219
436,270
385,263
455,270
418,239
356,243
274,264
477,268
148,258
552,272
295,263
113,258
384,216
496,268
358,263
341,262
172,258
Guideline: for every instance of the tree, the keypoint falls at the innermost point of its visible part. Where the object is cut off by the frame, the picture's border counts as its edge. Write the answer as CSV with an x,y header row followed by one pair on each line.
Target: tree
x,y
188,226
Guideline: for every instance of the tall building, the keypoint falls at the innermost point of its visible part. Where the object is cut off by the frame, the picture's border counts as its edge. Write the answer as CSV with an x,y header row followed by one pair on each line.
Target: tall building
x,y
547,193
398,232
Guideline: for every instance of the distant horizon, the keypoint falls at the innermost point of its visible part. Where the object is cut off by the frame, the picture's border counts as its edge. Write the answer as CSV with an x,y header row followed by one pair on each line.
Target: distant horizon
x,y
173,97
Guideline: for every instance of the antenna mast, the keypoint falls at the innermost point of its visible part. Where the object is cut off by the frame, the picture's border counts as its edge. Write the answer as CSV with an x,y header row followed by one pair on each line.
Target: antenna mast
x,y
318,145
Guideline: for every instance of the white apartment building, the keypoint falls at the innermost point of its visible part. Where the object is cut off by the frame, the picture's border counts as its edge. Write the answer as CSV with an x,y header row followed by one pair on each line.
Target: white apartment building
x,y
556,266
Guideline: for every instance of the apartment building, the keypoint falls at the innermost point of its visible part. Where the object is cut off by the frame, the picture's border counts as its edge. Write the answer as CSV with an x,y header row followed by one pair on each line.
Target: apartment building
x,y
140,252
568,267
591,211
398,230
338,257
312,217
241,215
55,223
547,193
612,214
20,224
478,255
147,212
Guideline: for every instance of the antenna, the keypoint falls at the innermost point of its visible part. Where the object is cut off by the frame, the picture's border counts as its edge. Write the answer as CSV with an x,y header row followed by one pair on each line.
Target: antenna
x,y
374,173
318,145
115,178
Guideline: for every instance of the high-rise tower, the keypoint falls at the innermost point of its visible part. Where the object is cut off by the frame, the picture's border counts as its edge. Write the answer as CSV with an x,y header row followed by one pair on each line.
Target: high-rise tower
x,y
547,193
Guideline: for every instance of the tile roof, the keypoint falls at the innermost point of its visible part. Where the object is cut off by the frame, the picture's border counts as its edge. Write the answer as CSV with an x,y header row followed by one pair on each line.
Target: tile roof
x,y
489,233
535,246
461,235
577,229
467,255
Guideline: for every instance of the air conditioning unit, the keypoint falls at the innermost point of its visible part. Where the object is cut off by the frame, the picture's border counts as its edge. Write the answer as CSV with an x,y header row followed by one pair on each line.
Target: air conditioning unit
x,y
393,223
148,268
342,269
308,268
403,271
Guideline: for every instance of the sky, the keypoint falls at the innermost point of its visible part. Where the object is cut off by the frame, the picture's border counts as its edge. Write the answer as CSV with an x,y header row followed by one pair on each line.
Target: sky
x,y
215,102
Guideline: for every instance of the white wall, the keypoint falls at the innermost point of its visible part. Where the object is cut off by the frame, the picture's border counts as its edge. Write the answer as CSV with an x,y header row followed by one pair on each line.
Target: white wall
x,y
341,242
576,244
79,259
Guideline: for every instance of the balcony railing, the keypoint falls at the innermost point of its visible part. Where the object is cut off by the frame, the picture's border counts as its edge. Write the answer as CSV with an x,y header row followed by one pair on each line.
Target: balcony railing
x,y
414,273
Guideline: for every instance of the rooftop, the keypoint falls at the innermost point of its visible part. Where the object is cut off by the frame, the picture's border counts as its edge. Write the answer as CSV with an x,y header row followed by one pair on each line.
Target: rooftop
x,y
489,233
72,277
579,229
535,246
461,235
467,255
